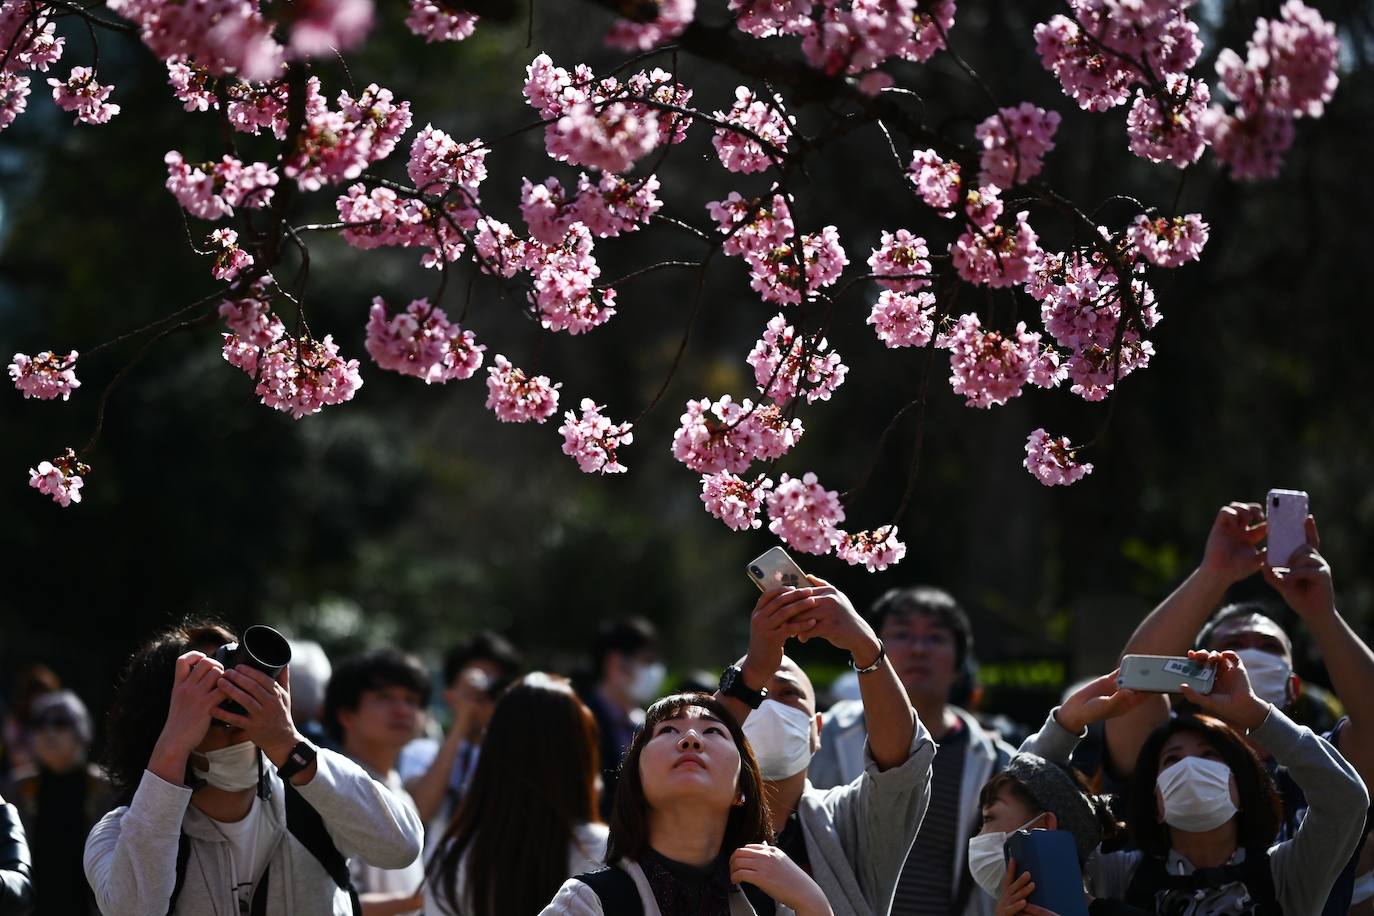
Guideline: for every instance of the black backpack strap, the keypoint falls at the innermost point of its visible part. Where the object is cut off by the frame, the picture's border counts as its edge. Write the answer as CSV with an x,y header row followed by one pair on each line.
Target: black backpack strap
x,y
183,859
305,824
616,890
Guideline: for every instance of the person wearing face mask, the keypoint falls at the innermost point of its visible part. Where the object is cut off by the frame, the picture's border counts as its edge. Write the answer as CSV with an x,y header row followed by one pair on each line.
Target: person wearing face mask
x,y
1235,550
627,675
1204,813
60,800
852,838
228,812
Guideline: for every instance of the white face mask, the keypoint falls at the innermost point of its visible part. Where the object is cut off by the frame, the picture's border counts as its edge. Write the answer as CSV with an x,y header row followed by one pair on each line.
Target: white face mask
x,y
1197,794
781,738
648,681
233,768
986,861
1269,675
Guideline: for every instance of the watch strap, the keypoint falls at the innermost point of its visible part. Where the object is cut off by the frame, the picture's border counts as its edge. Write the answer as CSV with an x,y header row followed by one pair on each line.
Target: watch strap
x,y
301,756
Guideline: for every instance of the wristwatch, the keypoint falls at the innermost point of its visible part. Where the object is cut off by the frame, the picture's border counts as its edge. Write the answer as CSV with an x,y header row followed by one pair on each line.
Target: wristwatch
x,y
301,756
732,685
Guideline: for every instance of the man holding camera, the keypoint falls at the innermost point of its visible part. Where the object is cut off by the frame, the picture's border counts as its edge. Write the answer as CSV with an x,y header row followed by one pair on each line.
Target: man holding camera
x,y
231,811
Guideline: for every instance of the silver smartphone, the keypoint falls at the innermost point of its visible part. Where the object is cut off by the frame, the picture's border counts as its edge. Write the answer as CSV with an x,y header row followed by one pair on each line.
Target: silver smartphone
x,y
1286,511
775,569
1163,674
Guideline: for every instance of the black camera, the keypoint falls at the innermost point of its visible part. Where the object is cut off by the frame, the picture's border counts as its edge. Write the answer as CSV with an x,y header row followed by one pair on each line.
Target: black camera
x,y
758,573
261,647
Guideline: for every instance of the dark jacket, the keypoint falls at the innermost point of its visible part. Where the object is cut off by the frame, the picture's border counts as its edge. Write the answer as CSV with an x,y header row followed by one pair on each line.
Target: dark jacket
x,y
16,889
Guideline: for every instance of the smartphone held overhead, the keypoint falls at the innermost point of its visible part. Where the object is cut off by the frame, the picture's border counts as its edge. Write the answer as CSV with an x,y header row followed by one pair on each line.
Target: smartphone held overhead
x,y
776,569
1164,674
1286,512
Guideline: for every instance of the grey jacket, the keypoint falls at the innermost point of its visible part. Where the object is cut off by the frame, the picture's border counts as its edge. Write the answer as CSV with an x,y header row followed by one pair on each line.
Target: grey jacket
x,y
131,854
1305,867
841,758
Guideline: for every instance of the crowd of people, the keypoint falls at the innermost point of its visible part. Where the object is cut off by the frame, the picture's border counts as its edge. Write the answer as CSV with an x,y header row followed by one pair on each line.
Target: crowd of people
x,y
221,789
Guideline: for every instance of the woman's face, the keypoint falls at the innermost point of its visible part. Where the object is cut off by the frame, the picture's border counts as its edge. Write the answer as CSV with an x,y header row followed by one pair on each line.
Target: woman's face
x,y
1006,812
1183,744
691,758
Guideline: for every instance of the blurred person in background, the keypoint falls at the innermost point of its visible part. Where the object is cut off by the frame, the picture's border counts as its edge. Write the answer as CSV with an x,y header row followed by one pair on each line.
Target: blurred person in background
x,y
16,886
627,673
437,773
29,683
245,816
690,826
310,673
372,707
530,820
60,799
929,641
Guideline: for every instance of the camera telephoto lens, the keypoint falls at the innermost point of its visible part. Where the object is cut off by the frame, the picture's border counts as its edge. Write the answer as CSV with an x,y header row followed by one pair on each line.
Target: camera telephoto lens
x,y
758,573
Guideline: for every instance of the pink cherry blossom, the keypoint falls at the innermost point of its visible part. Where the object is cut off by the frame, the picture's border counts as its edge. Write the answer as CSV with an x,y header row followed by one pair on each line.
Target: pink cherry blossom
x,y
1053,460
251,322
224,36
564,277
14,97
384,218
82,94
728,436
672,19
767,18
734,500
855,36
1252,144
1169,129
45,376
785,364
1095,79
901,254
191,85
212,190
301,376
336,146
876,550
804,514
28,33
996,256
612,206
231,259
990,368
936,180
593,439
438,162
499,250
434,21
1170,242
983,206
740,152
320,26
1015,141
61,478
422,342
1289,67
517,398
903,320
254,107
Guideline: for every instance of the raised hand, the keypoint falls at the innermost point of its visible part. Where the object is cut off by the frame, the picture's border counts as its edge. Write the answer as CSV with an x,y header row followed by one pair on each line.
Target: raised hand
x,y
266,719
774,620
834,619
1232,700
195,695
770,870
1233,550
1306,582
1096,701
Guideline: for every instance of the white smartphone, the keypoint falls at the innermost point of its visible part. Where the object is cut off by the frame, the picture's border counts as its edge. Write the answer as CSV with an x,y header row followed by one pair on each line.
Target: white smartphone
x,y
1287,514
1163,674
775,569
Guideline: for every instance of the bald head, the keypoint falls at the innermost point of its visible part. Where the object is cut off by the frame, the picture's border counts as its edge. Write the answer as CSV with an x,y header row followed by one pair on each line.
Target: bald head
x,y
791,685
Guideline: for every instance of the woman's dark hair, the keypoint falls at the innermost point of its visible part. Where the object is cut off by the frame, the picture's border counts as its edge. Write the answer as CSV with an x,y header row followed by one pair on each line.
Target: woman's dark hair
x,y
748,823
535,783
144,694
1260,812
1111,828
372,670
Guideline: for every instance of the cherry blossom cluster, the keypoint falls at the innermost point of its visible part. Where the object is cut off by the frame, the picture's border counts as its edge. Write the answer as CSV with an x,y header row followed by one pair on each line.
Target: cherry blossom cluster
x,y
1289,72
211,190
729,436
60,478
434,21
592,439
781,271
991,254
335,146
734,500
516,398
1169,242
29,36
988,367
422,342
80,93
903,319
564,277
1053,461
439,163
785,363
381,217
805,515
1015,141
936,181
740,151
608,208
230,259
45,376
301,375
1168,126
252,325
604,124
876,550
902,256
670,20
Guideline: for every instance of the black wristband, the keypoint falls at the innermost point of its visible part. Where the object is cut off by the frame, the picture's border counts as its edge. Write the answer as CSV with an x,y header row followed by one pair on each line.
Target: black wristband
x,y
301,756
732,685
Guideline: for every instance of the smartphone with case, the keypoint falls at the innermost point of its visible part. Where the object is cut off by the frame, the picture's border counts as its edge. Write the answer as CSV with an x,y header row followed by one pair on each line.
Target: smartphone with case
x,y
775,569
1286,511
1163,674
1052,859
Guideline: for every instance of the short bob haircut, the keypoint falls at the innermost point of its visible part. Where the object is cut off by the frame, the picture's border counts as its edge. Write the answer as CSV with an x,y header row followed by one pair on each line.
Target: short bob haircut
x,y
748,823
1260,812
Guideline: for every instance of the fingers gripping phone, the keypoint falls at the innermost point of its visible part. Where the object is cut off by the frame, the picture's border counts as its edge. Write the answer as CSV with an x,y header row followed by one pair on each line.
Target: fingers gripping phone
x,y
1286,511
1163,674
775,569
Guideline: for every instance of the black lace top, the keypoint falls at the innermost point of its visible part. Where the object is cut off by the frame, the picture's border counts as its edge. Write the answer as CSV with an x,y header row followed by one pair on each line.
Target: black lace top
x,y
688,890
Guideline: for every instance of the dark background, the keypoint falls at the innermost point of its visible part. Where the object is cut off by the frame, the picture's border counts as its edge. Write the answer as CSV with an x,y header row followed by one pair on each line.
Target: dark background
x,y
410,516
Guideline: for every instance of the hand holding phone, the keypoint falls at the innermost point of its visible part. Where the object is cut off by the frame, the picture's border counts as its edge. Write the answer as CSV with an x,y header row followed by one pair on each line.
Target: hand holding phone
x,y
1164,674
1287,514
